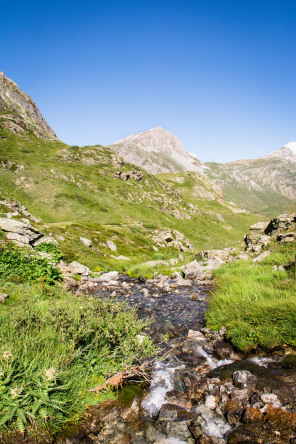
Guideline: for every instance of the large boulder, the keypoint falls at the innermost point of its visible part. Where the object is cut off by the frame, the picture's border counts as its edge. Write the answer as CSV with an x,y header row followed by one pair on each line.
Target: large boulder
x,y
193,271
217,255
22,233
256,231
282,222
73,268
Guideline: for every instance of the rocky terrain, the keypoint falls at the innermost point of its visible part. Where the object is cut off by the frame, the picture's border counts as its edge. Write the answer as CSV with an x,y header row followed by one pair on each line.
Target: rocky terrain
x,y
102,225
157,151
18,112
255,183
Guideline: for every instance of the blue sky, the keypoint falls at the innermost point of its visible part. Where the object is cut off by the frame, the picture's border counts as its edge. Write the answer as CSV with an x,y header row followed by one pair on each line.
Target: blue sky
x,y
219,74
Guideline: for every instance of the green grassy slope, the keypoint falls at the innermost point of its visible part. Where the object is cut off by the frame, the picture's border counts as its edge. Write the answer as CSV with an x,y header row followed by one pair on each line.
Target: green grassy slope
x,y
256,303
76,193
242,184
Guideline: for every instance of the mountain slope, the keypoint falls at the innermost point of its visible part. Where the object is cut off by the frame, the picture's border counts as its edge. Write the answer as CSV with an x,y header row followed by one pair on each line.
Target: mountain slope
x,y
267,184
258,184
19,113
157,151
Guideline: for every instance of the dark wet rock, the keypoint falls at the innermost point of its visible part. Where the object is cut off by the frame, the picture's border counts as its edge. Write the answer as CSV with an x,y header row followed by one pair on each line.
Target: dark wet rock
x,y
257,433
244,379
222,350
289,362
192,360
173,412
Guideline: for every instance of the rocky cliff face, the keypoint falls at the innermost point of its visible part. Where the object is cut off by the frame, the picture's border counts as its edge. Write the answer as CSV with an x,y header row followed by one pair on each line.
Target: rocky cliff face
x,y
157,151
19,113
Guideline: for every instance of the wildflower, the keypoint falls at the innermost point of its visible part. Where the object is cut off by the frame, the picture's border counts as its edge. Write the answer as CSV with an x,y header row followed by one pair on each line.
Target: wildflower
x,y
50,374
7,355
15,393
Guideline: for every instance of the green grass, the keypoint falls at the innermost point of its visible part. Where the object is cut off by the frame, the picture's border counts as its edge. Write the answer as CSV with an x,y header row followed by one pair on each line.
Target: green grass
x,y
54,347
255,303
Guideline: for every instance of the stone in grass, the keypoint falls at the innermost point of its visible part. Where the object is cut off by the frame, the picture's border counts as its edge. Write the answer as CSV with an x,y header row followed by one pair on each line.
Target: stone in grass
x,y
193,270
3,297
111,245
86,242
108,277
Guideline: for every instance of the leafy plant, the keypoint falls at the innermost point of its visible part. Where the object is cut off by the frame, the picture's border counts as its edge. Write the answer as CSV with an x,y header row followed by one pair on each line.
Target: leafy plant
x,y
20,266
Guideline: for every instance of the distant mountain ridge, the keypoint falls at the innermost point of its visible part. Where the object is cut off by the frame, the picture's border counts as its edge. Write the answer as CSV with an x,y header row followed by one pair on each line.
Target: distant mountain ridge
x,y
19,113
252,184
157,151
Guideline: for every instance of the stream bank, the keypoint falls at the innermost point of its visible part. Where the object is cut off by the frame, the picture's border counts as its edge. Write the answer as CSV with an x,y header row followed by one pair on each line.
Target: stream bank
x,y
203,392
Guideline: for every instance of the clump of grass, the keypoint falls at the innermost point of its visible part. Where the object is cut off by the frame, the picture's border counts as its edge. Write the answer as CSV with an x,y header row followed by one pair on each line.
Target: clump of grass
x,y
54,347
256,303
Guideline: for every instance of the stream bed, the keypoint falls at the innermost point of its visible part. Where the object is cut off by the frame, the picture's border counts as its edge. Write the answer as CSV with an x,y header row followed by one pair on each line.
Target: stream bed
x,y
203,391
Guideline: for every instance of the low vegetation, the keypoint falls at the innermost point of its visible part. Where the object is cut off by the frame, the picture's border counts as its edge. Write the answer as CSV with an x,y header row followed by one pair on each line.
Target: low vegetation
x,y
255,302
55,346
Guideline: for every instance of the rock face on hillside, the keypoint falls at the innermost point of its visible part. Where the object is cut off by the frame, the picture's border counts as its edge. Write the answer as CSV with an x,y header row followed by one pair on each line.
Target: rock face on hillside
x,y
260,234
257,183
157,151
19,113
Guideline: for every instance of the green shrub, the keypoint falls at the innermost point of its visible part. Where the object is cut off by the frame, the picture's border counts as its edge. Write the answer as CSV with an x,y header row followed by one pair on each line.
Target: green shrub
x,y
50,248
19,266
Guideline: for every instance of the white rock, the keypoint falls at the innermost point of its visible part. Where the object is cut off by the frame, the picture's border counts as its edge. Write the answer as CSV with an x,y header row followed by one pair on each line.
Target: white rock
x,y
196,335
211,402
193,270
111,245
261,256
111,276
86,242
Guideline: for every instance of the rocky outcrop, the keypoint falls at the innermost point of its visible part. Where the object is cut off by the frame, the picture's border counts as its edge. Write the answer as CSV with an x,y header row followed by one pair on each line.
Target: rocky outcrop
x,y
171,238
129,175
22,233
261,233
19,112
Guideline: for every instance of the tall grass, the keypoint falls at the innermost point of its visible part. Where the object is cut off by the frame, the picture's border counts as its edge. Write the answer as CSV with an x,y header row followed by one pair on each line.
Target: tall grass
x,y
256,303
54,347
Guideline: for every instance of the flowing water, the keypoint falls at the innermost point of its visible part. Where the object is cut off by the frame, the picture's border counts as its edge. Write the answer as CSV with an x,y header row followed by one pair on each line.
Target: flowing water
x,y
191,397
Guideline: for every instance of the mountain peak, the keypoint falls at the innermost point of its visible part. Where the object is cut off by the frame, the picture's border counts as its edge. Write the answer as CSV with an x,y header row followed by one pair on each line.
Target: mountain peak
x,y
287,152
156,150
19,113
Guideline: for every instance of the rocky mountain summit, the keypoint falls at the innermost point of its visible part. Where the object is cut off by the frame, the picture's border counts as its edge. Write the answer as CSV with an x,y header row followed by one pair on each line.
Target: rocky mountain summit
x,y
19,113
157,151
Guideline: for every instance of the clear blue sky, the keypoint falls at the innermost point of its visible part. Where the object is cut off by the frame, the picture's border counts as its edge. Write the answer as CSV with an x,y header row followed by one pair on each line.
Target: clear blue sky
x,y
219,74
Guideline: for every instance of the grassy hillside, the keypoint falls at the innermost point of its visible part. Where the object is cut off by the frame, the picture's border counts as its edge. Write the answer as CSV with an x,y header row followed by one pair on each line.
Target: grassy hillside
x,y
76,192
255,302
248,184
